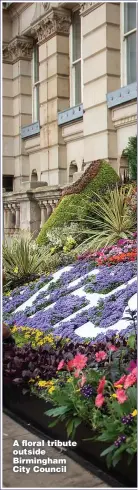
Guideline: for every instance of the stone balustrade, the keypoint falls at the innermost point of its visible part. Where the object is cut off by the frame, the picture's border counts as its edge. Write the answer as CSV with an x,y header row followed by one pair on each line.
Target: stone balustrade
x,y
29,209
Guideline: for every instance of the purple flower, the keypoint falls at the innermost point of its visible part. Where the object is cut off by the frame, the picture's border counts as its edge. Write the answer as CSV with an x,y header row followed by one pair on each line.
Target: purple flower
x,y
87,391
120,440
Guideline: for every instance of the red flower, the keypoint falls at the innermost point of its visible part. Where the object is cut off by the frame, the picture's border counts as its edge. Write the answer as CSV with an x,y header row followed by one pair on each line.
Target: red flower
x,y
121,396
112,347
101,385
80,361
120,381
99,400
70,365
100,356
60,365
130,379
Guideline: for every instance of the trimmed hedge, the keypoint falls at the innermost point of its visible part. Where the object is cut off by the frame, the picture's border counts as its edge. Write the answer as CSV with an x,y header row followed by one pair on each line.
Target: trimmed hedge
x,y
74,206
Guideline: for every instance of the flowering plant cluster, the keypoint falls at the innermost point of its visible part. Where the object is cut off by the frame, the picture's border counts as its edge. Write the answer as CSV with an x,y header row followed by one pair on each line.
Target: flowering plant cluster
x,y
97,375
89,394
124,251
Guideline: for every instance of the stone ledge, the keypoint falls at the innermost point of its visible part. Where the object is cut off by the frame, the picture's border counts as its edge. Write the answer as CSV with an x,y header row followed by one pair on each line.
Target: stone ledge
x,y
122,95
71,114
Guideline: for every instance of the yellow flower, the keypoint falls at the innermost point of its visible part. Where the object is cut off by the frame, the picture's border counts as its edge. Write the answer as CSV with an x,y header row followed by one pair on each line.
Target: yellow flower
x,y
134,413
16,270
51,389
113,396
69,380
118,386
44,384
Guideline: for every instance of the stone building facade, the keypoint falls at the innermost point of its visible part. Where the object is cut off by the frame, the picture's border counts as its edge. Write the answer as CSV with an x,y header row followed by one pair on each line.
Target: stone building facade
x,y
69,97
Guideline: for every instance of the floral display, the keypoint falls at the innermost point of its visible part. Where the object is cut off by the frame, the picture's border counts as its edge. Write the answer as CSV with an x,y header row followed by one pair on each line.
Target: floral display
x,y
124,251
98,373
88,394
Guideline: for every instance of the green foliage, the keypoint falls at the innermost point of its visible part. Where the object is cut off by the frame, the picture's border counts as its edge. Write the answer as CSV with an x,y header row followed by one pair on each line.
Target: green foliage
x,y
110,219
21,260
131,153
74,206
113,427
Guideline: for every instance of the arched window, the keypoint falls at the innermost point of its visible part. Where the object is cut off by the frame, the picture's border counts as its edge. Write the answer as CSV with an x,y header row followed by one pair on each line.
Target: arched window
x,y
72,169
34,176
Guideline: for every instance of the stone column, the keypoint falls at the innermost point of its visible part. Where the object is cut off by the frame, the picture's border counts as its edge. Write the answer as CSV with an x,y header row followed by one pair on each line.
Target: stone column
x,y
52,33
48,209
10,219
5,215
17,217
101,74
18,52
43,214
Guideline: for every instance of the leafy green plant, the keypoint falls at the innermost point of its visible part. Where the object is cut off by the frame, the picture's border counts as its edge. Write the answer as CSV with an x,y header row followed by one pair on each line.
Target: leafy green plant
x,y
74,206
130,153
110,220
120,428
22,260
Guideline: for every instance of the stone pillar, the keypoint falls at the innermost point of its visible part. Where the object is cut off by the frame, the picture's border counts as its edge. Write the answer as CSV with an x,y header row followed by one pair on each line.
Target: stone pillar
x,y
48,209
52,33
101,74
43,214
7,100
17,217
18,52
10,219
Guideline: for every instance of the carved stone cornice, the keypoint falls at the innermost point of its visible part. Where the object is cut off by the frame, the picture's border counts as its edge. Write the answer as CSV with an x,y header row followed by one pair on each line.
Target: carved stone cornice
x,y
20,47
87,7
126,121
57,21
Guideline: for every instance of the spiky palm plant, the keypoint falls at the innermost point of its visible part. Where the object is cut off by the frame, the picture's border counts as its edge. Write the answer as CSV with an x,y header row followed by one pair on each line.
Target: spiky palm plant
x,y
21,260
111,219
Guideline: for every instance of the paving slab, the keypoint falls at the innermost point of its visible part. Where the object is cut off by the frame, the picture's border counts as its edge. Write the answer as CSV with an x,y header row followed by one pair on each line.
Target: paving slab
x,y
74,477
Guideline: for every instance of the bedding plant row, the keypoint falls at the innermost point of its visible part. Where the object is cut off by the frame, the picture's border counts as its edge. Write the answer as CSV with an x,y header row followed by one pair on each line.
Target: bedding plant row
x,y
83,379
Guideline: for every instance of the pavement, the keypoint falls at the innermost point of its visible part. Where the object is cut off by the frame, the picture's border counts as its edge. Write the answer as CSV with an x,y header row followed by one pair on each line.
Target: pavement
x,y
75,475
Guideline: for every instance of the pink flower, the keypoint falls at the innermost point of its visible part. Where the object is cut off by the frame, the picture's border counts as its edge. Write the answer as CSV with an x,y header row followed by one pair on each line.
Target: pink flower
x,y
82,382
60,365
70,365
99,400
100,356
120,381
121,396
77,373
112,347
130,380
131,366
101,385
80,361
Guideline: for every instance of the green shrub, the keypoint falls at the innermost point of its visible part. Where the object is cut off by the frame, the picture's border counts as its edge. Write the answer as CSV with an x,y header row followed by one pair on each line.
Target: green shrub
x,y
74,206
110,219
22,260
131,153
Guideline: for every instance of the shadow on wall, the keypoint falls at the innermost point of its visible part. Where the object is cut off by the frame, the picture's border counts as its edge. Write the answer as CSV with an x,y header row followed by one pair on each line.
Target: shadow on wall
x,y
72,169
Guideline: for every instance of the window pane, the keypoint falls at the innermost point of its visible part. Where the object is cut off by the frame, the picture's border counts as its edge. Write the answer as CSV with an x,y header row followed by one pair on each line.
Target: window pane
x,y
77,69
36,104
36,65
131,58
76,27
130,17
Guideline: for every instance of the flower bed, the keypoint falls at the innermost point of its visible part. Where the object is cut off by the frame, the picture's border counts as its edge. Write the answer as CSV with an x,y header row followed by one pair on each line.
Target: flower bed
x,y
76,329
